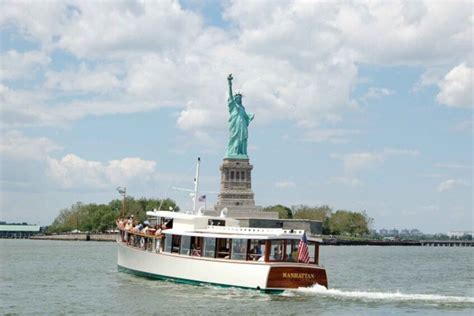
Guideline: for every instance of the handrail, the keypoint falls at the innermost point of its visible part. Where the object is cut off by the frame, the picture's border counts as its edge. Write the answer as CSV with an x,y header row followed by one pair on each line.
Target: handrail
x,y
276,231
141,234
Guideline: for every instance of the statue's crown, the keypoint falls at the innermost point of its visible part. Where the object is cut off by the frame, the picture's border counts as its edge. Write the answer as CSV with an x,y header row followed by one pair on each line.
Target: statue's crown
x,y
238,94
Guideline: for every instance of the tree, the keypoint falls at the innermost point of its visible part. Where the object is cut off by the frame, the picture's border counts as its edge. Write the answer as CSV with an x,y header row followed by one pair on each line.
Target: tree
x,y
283,211
348,223
101,217
318,213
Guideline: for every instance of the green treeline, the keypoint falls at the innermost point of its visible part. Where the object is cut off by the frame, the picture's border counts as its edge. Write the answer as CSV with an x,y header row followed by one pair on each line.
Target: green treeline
x,y
340,222
101,217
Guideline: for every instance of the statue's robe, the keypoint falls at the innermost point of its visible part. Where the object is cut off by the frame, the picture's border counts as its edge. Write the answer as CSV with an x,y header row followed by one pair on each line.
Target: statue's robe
x,y
239,121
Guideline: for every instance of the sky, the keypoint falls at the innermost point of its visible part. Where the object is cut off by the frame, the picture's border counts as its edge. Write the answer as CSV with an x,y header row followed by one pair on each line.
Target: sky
x,y
360,105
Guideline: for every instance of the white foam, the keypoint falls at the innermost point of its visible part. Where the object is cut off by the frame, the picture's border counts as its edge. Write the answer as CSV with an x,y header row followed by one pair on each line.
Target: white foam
x,y
382,296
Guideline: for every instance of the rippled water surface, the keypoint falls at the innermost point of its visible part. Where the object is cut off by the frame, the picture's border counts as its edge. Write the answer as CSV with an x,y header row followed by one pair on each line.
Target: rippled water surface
x,y
58,277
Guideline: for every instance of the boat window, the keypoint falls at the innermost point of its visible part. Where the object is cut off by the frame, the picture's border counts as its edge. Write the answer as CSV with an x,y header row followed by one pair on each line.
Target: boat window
x,y
291,253
223,248
168,241
257,250
185,245
196,246
312,251
209,247
239,249
277,250
216,222
175,244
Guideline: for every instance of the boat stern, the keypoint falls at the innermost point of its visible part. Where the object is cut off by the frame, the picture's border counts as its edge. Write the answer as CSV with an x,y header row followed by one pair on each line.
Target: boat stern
x,y
292,277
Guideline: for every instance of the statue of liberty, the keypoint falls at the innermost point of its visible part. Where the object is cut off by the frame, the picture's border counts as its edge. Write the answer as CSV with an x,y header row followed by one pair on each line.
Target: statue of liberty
x,y
239,121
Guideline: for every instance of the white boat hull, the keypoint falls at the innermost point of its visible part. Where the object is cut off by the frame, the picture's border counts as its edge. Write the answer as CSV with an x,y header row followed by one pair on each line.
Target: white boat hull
x,y
198,270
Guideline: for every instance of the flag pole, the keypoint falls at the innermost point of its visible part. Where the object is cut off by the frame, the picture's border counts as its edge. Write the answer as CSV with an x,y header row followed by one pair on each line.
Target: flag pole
x,y
196,185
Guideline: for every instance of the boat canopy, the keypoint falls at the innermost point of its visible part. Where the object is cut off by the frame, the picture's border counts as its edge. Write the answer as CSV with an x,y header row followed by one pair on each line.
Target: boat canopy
x,y
222,227
241,233
193,222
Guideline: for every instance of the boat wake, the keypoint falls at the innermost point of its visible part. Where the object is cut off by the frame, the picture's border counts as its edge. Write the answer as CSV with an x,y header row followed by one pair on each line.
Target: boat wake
x,y
381,296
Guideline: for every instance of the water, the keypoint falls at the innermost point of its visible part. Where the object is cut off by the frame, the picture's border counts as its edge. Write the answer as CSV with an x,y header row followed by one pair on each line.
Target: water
x,y
60,277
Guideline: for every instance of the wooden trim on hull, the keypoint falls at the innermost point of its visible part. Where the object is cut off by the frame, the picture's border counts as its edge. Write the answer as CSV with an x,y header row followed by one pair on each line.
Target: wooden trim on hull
x,y
295,277
191,282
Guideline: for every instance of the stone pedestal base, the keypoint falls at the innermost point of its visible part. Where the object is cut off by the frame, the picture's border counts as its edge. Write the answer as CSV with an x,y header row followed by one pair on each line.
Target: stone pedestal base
x,y
236,185
236,191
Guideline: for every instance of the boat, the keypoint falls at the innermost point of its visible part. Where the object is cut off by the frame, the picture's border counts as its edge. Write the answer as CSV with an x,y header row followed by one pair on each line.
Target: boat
x,y
195,248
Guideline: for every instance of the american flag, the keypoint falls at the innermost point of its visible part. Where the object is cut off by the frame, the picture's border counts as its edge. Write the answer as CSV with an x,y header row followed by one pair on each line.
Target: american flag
x,y
303,252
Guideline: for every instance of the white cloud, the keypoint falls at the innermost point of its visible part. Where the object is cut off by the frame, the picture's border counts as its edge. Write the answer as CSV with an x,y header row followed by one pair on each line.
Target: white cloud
x,y
375,93
348,181
451,184
400,152
355,162
27,163
452,166
14,144
456,88
432,175
16,65
74,172
194,117
166,56
285,184
82,80
37,21
123,28
423,33
332,135
358,161
130,169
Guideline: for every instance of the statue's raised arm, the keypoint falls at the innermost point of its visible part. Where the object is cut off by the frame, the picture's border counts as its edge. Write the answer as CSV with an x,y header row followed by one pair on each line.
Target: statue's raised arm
x,y
229,80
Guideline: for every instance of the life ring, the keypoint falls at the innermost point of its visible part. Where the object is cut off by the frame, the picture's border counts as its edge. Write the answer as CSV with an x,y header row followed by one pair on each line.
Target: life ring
x,y
142,242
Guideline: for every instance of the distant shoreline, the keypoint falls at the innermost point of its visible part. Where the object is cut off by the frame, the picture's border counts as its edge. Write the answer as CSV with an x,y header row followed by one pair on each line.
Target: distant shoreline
x,y
78,237
326,242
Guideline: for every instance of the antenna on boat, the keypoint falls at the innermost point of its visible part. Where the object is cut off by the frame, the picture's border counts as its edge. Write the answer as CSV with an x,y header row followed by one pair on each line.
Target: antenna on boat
x,y
196,185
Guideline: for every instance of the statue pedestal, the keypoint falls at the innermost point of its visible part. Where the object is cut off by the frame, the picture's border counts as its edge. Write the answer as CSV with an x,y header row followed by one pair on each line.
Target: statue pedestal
x,y
236,191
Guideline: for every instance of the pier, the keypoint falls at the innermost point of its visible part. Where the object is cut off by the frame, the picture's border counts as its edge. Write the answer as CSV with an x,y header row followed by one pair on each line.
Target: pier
x,y
447,243
78,237
426,243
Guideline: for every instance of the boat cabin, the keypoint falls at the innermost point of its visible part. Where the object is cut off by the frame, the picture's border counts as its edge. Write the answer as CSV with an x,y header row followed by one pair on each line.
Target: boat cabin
x,y
220,238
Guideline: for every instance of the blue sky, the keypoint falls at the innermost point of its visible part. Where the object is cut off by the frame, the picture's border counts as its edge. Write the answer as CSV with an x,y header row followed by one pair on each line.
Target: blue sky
x,y
359,105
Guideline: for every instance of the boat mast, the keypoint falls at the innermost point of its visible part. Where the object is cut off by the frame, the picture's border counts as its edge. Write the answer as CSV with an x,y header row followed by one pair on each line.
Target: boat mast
x,y
196,185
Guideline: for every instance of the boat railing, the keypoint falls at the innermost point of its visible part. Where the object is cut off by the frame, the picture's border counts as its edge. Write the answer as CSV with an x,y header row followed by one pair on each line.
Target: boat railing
x,y
146,241
257,231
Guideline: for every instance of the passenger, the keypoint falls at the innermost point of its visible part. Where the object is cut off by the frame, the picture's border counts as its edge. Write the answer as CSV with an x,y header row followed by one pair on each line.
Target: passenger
x,y
258,252
138,228
255,252
196,251
119,223
158,230
294,255
146,227
129,223
276,254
